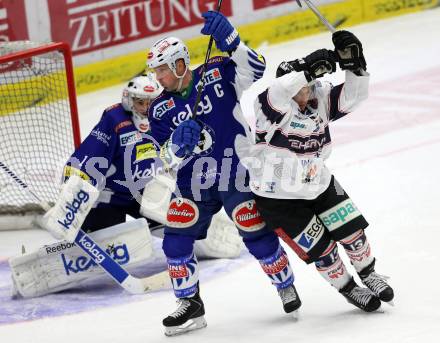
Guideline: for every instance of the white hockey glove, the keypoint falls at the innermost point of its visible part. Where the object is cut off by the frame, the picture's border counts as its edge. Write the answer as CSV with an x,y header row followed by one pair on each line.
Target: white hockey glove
x,y
75,201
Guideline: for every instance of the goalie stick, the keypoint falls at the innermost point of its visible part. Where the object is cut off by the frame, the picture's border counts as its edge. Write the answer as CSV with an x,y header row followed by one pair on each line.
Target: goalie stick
x,y
130,283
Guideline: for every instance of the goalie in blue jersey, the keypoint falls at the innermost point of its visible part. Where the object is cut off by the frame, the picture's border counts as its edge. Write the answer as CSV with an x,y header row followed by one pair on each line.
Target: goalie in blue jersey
x,y
210,176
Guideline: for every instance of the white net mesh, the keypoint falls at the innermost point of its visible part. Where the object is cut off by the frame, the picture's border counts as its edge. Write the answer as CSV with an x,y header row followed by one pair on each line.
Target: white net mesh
x,y
36,135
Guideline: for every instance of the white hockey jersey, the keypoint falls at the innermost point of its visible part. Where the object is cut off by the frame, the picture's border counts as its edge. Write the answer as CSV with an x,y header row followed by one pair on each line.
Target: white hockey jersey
x,y
285,157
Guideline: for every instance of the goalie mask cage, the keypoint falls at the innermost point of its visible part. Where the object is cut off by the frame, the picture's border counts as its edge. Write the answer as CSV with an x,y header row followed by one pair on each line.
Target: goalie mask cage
x,y
39,126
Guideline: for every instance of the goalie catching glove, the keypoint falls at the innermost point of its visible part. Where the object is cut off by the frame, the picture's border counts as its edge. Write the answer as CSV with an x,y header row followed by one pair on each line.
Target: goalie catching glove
x,y
75,201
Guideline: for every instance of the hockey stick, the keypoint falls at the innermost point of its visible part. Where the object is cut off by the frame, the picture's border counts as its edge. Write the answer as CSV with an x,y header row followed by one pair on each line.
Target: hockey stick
x,y
205,64
130,283
315,10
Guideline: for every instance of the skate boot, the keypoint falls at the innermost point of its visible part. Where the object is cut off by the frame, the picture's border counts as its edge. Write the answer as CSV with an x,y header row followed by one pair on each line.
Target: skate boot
x,y
290,299
376,283
360,297
189,316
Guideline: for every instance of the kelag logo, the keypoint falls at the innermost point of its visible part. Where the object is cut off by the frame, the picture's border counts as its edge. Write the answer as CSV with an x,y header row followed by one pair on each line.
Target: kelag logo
x,y
119,253
81,197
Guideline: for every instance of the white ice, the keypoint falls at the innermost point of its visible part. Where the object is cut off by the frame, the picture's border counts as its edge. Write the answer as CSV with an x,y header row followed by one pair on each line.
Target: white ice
x,y
386,157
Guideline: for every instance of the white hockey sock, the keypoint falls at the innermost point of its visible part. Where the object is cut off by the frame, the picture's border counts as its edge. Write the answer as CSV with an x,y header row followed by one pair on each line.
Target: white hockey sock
x,y
358,250
331,267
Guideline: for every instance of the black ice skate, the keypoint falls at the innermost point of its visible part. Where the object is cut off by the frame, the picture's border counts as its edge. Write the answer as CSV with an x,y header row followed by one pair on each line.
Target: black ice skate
x,y
360,297
290,299
187,317
376,283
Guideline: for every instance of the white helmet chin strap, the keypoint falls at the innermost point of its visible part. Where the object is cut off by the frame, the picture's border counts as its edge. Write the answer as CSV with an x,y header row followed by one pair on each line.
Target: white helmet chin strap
x,y
179,86
141,122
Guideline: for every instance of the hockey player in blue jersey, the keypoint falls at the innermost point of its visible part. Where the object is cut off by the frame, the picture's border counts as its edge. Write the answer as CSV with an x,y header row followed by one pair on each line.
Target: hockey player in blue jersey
x,y
115,172
210,176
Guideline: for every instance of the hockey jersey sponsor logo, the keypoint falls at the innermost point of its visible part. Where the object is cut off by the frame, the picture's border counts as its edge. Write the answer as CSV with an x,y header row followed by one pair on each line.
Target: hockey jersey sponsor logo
x,y
145,151
311,235
205,107
182,213
247,217
101,136
140,173
119,253
72,209
69,171
297,125
130,138
212,76
340,214
162,107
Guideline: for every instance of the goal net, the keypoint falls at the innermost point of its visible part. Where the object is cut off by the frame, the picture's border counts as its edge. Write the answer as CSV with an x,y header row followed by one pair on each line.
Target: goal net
x,y
38,125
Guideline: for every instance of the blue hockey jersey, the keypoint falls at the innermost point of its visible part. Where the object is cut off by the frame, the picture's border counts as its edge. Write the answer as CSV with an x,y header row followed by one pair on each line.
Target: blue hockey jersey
x,y
219,112
116,158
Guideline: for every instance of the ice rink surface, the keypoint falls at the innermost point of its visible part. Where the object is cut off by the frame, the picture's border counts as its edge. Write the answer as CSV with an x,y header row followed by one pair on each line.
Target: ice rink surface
x,y
385,155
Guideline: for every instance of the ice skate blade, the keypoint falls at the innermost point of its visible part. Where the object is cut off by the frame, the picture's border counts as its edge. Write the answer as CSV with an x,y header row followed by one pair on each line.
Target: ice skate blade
x,y
190,325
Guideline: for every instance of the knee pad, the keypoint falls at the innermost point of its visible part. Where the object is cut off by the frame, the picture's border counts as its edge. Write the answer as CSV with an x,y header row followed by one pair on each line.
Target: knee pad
x,y
176,246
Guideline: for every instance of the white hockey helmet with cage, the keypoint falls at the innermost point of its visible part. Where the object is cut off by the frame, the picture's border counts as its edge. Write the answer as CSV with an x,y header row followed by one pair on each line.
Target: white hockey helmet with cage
x,y
140,87
168,51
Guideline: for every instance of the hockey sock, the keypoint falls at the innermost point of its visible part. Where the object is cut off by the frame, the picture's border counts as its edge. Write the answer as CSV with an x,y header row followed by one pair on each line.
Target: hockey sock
x,y
277,268
184,274
358,250
331,267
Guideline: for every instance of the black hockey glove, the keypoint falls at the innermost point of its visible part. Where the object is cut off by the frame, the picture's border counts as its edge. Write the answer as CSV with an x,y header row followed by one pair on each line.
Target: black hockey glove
x,y
349,50
314,65
319,63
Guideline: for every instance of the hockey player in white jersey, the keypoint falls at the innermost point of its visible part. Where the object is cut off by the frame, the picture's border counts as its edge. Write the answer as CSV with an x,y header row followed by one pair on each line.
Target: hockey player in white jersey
x,y
296,193
116,172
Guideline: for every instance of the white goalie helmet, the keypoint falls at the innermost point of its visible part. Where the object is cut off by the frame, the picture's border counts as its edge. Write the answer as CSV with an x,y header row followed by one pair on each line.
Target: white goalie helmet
x,y
168,51
140,87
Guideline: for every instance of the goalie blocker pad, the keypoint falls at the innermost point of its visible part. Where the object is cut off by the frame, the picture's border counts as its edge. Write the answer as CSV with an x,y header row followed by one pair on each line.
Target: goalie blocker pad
x,y
63,265
75,201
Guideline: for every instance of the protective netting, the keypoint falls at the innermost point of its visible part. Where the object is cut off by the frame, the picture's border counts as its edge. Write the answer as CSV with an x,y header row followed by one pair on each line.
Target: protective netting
x,y
36,135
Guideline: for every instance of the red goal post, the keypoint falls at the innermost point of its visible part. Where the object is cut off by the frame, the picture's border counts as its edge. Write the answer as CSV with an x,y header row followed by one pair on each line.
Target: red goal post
x,y
39,127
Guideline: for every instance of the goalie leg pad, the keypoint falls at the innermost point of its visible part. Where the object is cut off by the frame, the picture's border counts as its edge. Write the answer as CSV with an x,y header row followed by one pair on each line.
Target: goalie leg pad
x,y
63,265
222,240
